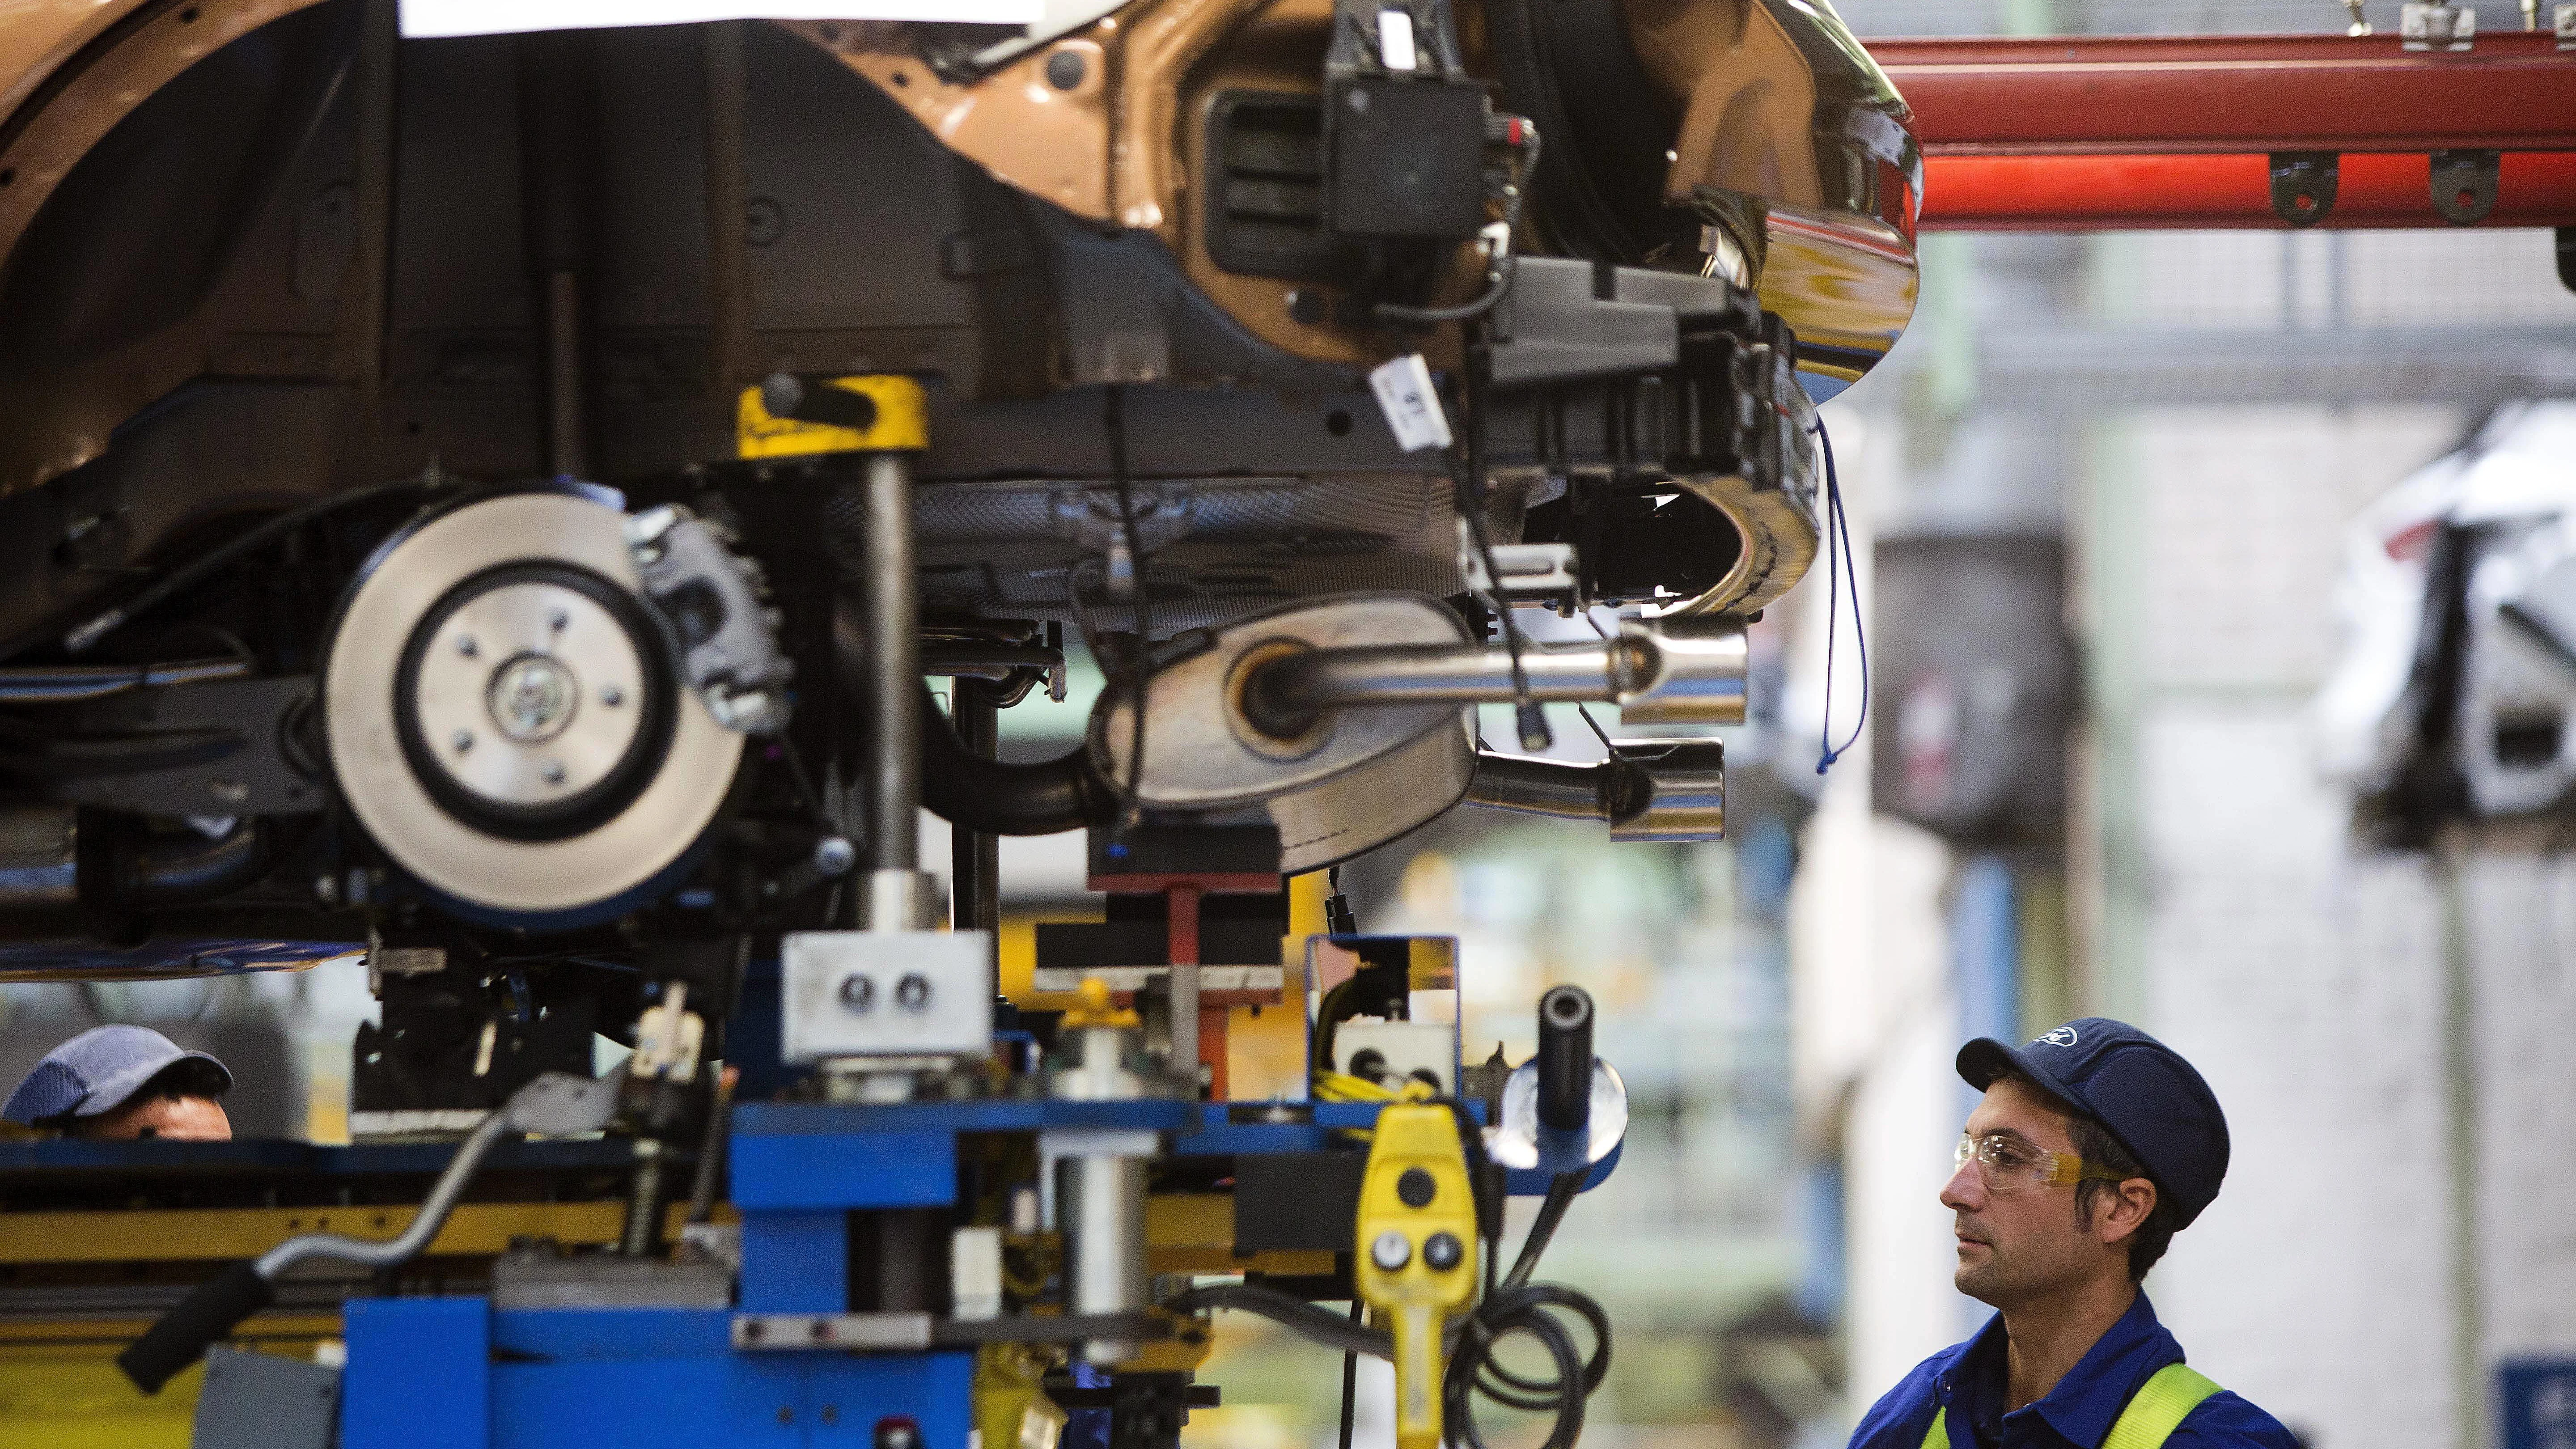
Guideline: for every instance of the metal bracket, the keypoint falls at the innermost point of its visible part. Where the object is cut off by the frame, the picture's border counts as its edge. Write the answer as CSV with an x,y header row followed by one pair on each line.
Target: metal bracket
x,y
2438,26
1091,518
2303,186
2464,185
1539,572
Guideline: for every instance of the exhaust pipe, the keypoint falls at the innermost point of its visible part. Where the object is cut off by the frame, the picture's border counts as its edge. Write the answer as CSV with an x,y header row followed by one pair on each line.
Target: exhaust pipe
x,y
1667,671
1650,790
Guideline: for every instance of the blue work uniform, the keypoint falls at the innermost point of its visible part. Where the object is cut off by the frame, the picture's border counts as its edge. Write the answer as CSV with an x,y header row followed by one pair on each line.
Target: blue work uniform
x,y
1966,1383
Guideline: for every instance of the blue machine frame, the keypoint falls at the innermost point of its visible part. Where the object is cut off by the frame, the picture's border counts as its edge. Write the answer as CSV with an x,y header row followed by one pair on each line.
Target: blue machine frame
x,y
455,1373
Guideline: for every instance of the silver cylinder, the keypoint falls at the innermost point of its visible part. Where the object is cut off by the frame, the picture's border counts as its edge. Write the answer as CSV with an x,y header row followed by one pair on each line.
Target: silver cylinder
x,y
1667,671
39,856
894,666
1669,790
1100,1201
1318,680
899,900
1649,790
1531,786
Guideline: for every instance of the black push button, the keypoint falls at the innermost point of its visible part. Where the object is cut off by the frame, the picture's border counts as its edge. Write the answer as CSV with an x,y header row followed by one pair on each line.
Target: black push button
x,y
1417,1187
1442,1252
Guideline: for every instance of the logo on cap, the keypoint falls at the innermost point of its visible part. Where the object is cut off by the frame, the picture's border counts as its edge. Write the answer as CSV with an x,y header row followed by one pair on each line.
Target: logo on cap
x,y
2064,1036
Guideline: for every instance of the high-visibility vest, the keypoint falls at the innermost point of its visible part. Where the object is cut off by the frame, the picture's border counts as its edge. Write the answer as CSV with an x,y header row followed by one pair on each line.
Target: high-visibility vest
x,y
2154,1412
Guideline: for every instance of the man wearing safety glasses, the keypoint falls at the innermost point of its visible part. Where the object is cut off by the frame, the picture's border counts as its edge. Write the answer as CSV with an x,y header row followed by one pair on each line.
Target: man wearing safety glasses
x,y
2093,1146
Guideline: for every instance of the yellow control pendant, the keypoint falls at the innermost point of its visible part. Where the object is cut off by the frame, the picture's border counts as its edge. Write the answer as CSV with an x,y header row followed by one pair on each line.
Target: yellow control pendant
x,y
1416,1253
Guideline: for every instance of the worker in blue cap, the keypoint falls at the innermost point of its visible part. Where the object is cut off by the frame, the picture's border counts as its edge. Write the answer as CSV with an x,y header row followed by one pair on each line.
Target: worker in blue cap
x,y
2093,1146
119,1083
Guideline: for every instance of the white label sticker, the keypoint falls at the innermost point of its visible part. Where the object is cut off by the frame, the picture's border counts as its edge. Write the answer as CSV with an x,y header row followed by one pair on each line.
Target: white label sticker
x,y
1395,39
434,19
1412,406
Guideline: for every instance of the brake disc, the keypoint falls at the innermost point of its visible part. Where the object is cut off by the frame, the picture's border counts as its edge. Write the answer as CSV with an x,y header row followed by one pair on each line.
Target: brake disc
x,y
503,714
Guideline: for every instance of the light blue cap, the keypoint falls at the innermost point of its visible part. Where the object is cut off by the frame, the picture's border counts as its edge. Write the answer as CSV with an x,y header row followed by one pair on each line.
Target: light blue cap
x,y
96,1071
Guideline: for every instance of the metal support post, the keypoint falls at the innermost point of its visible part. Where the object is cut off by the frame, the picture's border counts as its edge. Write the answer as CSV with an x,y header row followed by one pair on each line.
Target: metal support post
x,y
976,857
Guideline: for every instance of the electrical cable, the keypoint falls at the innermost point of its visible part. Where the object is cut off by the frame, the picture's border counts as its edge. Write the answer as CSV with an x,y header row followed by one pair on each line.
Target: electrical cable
x,y
1561,1191
1515,1306
1351,1379
1522,136
1467,485
1838,525
1338,919
1294,1314
1528,1311
1470,1340
81,637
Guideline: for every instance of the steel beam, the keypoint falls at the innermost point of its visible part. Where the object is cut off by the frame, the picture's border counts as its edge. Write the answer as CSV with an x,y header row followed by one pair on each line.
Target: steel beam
x,y
2107,193
2111,95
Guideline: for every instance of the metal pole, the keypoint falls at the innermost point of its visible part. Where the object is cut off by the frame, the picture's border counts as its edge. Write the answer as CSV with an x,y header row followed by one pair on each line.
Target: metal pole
x,y
558,149
1183,938
894,667
975,856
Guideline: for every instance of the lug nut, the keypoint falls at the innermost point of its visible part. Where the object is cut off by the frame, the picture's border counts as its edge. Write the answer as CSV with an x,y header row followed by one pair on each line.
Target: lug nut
x,y
611,696
466,646
463,740
558,621
554,772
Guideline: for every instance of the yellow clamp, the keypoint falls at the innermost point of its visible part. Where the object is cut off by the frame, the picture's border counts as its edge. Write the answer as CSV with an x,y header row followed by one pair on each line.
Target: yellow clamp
x,y
902,420
1094,1009
1416,1259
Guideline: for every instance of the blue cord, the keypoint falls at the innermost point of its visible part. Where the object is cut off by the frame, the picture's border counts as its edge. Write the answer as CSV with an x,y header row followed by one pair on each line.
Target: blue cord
x,y
1836,525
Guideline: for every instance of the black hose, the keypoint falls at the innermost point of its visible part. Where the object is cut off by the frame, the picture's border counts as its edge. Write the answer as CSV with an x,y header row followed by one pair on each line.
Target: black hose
x,y
999,798
1529,1310
1560,1196
1294,1314
205,1316
966,789
1351,1382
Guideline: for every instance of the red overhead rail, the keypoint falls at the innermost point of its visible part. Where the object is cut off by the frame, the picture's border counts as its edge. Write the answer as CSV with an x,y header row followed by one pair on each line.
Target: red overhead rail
x,y
2085,132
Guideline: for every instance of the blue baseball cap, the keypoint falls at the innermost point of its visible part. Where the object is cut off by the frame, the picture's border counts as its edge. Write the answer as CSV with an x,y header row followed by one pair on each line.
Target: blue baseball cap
x,y
97,1071
2140,1091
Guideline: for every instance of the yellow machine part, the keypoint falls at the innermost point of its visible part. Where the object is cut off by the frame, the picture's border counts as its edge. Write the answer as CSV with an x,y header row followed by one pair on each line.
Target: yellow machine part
x,y
903,421
1012,1411
60,1387
178,1235
1193,1232
1415,1195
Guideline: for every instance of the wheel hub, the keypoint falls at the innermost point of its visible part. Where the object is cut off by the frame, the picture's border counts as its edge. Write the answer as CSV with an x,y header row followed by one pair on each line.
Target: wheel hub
x,y
503,715
528,694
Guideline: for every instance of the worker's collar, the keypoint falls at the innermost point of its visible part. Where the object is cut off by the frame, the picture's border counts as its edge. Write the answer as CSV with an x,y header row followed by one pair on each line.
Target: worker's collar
x,y
2087,1402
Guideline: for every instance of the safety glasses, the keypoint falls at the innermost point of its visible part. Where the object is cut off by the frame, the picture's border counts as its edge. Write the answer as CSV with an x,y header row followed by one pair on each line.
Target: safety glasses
x,y
2010,1164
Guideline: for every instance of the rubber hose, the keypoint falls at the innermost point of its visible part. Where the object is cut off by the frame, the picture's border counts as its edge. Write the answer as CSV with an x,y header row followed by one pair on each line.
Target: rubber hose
x,y
966,789
185,1333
